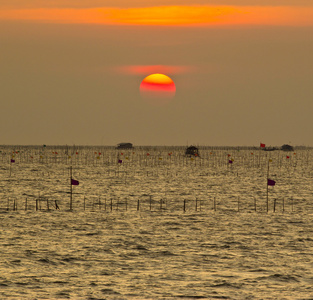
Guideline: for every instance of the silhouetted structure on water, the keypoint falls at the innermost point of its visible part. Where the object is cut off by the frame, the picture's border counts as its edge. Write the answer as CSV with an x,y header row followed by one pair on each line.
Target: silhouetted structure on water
x,y
124,146
286,147
192,151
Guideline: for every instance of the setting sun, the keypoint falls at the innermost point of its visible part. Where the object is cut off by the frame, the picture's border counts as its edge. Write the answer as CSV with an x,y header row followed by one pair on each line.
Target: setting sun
x,y
158,86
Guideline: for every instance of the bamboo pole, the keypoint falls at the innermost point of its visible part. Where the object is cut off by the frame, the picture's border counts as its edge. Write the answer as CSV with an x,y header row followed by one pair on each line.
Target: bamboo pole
x,y
274,209
267,176
71,188
238,200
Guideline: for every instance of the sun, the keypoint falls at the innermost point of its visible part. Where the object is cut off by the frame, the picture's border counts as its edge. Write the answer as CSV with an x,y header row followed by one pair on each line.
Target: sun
x,y
157,87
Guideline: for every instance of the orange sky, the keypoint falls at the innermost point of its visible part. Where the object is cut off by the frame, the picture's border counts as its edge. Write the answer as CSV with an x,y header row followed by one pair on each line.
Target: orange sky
x,y
169,15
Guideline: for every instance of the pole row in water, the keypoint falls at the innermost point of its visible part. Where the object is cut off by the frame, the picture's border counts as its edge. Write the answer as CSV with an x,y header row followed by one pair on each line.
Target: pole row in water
x,y
44,204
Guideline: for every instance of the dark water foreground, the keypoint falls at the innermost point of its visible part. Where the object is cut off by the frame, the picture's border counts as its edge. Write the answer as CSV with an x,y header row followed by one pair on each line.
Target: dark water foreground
x,y
155,255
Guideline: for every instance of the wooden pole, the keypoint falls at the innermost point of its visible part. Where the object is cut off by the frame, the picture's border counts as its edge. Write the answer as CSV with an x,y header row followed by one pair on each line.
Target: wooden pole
x,y
274,205
71,189
184,205
26,204
138,203
238,203
268,171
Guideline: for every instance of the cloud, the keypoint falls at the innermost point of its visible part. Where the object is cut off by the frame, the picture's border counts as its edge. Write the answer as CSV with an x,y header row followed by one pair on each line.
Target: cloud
x,y
201,15
18,4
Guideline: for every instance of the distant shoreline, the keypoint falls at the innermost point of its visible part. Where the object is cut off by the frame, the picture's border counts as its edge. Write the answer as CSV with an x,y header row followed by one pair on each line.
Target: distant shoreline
x,y
142,147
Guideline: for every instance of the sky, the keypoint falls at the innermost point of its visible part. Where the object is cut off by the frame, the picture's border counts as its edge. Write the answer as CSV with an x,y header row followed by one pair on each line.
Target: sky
x,y
71,71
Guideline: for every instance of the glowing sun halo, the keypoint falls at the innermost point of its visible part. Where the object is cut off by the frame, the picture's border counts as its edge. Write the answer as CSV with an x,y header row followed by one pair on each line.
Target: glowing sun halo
x,y
158,87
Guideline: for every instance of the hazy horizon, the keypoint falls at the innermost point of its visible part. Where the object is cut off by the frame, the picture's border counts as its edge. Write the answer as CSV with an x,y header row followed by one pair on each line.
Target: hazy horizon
x,y
70,73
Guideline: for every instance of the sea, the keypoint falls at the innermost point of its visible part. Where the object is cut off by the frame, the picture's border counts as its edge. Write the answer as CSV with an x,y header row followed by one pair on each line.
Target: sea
x,y
96,222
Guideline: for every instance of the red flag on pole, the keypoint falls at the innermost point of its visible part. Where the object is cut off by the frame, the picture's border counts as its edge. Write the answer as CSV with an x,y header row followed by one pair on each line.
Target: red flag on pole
x,y
271,182
262,145
74,182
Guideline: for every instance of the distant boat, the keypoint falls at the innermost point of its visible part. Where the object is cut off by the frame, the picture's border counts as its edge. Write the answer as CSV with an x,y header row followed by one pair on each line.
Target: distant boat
x,y
286,147
124,146
192,151
269,149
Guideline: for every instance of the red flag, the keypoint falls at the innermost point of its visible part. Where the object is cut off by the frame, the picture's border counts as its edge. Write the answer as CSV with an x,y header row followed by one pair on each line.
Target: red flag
x,y
262,145
287,156
74,182
271,182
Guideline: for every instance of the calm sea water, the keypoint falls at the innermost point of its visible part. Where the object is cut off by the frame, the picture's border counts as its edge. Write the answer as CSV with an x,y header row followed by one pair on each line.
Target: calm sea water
x,y
155,226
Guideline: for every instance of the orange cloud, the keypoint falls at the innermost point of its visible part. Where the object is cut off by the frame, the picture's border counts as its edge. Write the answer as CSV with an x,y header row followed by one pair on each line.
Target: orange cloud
x,y
170,15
